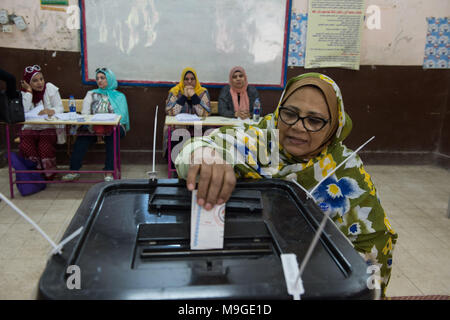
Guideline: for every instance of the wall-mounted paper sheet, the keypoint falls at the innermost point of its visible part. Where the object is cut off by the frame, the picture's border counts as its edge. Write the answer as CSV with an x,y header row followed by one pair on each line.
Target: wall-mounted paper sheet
x,y
334,33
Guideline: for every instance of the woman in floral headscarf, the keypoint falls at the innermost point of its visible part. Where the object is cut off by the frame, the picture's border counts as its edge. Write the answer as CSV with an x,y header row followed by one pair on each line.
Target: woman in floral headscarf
x,y
38,142
311,124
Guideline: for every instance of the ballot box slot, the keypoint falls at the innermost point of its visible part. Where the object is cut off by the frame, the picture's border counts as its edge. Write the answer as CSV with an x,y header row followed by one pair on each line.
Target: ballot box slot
x,y
172,241
181,249
176,199
177,231
178,252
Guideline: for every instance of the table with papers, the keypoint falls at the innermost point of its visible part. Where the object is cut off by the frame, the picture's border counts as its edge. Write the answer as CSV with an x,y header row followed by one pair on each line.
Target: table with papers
x,y
67,119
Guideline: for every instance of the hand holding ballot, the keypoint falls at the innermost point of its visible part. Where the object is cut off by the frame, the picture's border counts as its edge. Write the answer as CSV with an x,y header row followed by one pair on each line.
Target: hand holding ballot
x,y
216,178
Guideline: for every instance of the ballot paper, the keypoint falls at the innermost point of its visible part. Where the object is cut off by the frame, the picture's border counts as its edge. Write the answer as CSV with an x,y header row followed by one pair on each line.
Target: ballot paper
x,y
187,117
207,226
104,117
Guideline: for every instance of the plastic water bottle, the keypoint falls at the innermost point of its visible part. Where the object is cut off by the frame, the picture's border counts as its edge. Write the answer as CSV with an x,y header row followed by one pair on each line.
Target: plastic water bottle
x,y
72,104
256,110
73,130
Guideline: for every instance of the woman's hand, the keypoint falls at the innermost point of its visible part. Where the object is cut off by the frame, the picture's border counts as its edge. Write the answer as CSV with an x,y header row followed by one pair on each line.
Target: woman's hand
x,y
243,114
48,112
189,91
216,178
26,86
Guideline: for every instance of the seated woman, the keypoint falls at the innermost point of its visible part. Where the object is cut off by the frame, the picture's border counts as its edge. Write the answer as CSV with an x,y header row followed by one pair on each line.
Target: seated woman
x,y
311,125
188,96
237,98
38,142
105,99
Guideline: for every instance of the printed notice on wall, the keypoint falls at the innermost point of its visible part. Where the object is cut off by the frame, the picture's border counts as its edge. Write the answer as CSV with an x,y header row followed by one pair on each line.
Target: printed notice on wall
x,y
334,33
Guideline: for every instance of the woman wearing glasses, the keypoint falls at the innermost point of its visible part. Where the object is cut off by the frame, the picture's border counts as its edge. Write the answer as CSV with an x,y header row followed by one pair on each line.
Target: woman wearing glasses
x,y
303,142
237,98
104,99
38,142
188,96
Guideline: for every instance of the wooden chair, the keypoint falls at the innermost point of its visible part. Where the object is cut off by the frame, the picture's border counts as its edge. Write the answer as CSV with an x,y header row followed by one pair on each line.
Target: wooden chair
x,y
78,104
214,107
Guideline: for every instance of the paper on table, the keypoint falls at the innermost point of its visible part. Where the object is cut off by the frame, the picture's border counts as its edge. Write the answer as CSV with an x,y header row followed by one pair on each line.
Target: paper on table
x,y
207,226
34,113
104,117
68,116
187,117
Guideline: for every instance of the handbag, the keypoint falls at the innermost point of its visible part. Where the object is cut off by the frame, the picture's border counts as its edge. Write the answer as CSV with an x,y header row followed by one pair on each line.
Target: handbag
x,y
20,163
11,110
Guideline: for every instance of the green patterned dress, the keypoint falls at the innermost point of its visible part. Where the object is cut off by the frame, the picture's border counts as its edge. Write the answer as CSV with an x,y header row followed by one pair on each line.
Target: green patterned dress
x,y
349,194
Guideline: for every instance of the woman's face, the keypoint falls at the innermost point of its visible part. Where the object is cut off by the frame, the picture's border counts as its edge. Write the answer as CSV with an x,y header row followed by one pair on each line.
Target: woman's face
x,y
189,79
238,79
37,83
295,139
102,82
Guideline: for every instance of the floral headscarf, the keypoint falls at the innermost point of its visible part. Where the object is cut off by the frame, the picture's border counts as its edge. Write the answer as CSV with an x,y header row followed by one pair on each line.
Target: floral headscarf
x,y
348,194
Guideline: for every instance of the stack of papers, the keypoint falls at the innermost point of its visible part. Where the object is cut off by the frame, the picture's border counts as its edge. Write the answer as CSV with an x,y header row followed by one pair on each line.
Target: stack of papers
x,y
68,116
104,117
33,114
187,117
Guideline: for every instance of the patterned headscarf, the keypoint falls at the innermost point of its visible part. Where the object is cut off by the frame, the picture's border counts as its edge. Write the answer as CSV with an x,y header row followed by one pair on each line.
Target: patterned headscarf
x,y
259,154
180,86
28,74
348,194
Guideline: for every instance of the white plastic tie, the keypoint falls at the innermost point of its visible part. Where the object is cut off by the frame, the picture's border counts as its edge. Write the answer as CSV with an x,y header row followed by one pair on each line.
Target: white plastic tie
x,y
313,243
63,243
341,164
294,282
56,248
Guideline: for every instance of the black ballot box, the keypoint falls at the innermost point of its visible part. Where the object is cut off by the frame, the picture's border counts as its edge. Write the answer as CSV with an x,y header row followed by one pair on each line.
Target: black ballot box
x,y
135,244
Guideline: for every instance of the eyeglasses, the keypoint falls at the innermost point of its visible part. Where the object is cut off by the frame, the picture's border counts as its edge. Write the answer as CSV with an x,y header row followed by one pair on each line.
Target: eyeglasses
x,y
100,70
312,124
30,69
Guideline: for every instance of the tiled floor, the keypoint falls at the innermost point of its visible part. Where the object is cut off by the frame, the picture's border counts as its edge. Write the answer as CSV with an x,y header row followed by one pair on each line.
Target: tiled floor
x,y
415,199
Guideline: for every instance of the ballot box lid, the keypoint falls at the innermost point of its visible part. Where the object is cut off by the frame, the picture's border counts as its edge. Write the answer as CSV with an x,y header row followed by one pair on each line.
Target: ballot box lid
x,y
135,244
